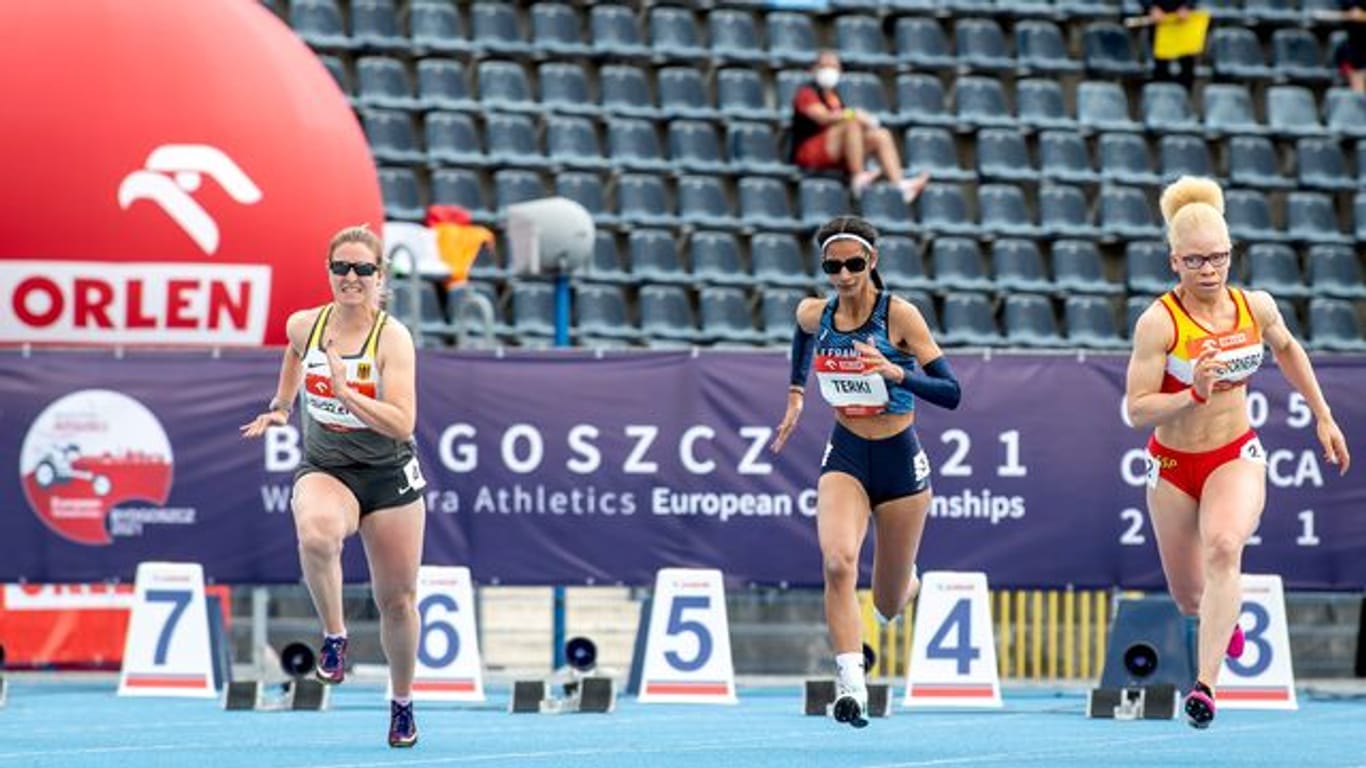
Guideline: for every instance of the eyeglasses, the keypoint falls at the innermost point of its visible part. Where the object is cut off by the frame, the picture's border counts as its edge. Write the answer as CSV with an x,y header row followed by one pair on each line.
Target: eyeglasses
x,y
1198,261
833,266
361,268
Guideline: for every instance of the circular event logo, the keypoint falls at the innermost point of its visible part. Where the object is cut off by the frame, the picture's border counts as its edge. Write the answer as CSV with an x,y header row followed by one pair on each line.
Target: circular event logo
x,y
89,452
197,207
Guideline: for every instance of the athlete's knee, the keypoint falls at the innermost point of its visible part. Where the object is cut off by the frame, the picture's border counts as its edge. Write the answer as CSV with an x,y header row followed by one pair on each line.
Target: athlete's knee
x,y
1223,551
320,539
397,601
841,566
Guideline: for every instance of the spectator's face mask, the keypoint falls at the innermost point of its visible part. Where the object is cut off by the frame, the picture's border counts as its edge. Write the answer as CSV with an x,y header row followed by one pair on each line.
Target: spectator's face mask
x,y
827,77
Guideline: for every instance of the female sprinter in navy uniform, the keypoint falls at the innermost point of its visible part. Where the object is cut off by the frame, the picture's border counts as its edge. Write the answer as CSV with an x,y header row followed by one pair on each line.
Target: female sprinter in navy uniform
x,y
1194,350
866,345
359,471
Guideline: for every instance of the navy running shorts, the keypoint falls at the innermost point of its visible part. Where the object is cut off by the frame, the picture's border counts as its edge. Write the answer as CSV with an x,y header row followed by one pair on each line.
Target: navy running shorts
x,y
376,486
888,469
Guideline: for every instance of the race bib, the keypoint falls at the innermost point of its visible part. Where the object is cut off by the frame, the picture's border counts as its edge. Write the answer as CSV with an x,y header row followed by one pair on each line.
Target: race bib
x,y
1252,450
1238,352
848,388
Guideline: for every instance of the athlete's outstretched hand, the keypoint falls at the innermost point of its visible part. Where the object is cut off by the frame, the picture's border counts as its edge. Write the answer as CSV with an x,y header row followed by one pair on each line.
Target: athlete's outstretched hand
x,y
1334,445
258,426
789,422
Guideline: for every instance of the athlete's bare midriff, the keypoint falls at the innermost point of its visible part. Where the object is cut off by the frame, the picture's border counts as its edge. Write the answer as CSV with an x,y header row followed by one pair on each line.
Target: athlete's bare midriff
x,y
1206,427
877,427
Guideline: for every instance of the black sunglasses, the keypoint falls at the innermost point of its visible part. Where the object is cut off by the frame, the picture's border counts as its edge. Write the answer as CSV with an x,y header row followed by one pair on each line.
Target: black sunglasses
x,y
855,265
361,268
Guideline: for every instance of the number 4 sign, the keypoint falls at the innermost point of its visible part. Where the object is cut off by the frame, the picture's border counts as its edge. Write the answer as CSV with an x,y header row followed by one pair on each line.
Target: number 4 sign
x,y
687,649
166,651
953,649
1262,678
449,667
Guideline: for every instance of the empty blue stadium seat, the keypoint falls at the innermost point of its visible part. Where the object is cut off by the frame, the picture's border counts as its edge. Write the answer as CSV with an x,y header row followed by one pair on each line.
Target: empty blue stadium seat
x,y
1077,268
693,146
779,260
1184,156
920,100
923,302
969,321
1063,212
981,45
557,31
1029,322
778,312
1005,212
510,141
1102,106
1275,267
614,31
319,23
1124,159
642,200
666,312
383,82
1335,325
1295,53
564,88
452,140
1125,213
633,144
503,85
1108,50
1344,112
921,43
586,189
1134,307
1018,265
495,30
820,200
461,187
402,199
791,38
1272,11
933,149
391,137
1147,266
673,34
764,204
715,258
958,265
1335,270
572,141
624,92
1041,105
726,315
1228,110
702,202
1001,154
1248,213
944,210
900,264
1292,111
605,264
1252,162
436,27
753,148
600,310
860,41
740,95
981,103
1322,165
682,93
1090,322
1040,47
516,186
735,36
1236,54
654,258
441,85
1167,109
1063,157
1310,217
885,206
533,308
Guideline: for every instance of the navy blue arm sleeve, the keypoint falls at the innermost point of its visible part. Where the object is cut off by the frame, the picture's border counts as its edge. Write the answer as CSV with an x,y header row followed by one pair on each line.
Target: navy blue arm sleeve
x,y
803,346
936,385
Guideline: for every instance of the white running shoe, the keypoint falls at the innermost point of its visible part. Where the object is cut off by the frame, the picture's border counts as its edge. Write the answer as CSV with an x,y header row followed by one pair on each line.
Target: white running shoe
x,y
851,704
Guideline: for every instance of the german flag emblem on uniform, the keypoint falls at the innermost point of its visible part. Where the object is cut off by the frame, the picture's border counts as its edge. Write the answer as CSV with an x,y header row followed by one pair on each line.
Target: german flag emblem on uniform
x,y
363,371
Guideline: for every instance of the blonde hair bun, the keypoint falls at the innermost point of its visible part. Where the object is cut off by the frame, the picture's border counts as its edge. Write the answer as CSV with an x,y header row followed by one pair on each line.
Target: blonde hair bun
x,y
1187,190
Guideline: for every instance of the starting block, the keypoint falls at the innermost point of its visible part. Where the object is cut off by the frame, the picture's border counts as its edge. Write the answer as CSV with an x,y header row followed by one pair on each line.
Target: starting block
x,y
1146,702
819,695
300,693
4,684
580,689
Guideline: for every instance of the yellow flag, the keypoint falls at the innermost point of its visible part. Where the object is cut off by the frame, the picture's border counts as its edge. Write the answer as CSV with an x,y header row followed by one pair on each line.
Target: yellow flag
x,y
1176,37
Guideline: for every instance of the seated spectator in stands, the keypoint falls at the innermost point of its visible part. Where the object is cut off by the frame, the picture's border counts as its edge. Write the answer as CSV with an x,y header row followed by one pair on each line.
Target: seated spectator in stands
x,y
1181,70
828,136
1352,54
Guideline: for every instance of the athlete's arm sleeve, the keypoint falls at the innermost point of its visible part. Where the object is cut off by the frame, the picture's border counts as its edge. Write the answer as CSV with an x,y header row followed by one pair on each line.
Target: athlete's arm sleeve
x,y
803,346
936,385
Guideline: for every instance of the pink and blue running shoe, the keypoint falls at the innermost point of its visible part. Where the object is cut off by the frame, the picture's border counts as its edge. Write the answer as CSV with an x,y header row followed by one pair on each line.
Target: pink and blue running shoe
x,y
332,660
402,726
1199,706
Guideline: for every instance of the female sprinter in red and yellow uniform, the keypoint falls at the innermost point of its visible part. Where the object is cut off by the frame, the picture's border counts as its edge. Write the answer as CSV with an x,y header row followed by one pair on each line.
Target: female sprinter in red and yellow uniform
x,y
1194,350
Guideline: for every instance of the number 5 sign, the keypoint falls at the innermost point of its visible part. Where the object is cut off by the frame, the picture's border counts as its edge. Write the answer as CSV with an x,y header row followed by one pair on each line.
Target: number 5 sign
x,y
687,649
449,667
953,649
1262,678
166,651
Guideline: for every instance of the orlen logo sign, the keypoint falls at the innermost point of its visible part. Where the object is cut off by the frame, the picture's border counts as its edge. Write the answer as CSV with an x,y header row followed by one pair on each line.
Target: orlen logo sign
x,y
195,208
88,453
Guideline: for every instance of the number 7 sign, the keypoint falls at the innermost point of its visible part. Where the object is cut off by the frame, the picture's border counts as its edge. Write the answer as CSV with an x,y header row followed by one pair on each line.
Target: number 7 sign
x,y
166,651
687,648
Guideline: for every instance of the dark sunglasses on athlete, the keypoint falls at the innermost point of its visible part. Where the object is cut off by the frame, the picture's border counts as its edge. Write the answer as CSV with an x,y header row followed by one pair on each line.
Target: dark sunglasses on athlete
x,y
361,268
855,265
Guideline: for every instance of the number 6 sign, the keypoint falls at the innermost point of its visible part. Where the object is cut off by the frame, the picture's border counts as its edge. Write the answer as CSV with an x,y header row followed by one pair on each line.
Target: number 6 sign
x,y
1262,678
449,667
687,649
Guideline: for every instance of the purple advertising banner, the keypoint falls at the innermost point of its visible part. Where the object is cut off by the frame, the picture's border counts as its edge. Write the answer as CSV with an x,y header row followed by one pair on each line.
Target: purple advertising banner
x,y
567,468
